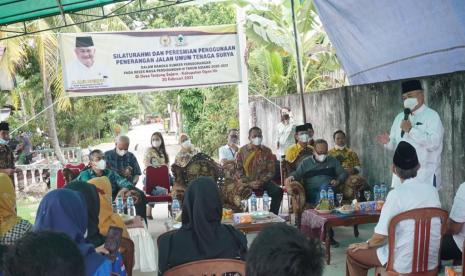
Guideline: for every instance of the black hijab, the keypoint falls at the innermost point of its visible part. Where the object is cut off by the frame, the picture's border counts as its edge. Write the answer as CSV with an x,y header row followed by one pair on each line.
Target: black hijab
x,y
201,213
92,200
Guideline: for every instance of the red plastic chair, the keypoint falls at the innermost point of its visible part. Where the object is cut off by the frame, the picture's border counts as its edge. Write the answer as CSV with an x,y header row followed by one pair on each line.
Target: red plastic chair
x,y
75,168
79,166
157,176
422,218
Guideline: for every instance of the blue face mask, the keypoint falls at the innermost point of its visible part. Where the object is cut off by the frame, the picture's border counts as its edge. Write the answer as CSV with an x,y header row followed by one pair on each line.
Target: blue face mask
x,y
3,142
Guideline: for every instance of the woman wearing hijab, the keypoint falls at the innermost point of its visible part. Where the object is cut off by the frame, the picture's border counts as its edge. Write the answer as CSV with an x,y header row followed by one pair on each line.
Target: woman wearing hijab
x,y
89,192
202,236
12,227
64,211
106,216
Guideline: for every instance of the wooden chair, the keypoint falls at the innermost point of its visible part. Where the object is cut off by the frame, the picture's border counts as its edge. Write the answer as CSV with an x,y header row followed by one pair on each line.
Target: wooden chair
x,y
127,250
157,176
200,165
208,268
422,218
295,189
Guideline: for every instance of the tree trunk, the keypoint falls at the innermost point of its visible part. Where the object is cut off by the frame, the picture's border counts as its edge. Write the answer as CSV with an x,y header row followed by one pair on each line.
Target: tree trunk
x,y
23,106
48,103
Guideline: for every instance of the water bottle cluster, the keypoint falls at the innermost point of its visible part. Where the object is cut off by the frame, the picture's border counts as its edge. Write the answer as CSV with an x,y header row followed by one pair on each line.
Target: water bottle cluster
x,y
130,207
254,203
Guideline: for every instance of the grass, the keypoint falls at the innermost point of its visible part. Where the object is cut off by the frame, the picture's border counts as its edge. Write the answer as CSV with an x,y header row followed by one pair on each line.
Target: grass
x,y
27,208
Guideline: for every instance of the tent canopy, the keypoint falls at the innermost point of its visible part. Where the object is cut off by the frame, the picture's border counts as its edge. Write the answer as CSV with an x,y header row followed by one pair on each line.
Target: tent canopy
x,y
395,39
13,11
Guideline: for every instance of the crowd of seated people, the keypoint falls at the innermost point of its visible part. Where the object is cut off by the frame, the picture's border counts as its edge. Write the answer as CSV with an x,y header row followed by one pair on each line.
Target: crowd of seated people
x,y
80,215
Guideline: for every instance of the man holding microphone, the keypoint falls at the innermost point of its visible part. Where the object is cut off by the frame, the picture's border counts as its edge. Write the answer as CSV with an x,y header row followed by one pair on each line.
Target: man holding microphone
x,y
420,126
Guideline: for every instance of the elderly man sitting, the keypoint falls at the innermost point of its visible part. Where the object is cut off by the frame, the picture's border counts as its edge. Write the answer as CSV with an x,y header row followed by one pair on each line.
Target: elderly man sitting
x,y
318,172
122,161
411,194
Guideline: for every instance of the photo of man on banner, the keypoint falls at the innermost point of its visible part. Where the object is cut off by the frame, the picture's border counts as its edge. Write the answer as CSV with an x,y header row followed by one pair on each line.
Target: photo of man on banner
x,y
85,72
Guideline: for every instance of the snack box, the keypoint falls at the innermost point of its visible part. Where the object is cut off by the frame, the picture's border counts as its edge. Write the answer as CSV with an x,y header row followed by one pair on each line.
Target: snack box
x,y
240,218
453,271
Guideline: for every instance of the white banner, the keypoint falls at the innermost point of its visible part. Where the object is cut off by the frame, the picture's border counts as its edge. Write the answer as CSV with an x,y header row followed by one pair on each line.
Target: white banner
x,y
134,61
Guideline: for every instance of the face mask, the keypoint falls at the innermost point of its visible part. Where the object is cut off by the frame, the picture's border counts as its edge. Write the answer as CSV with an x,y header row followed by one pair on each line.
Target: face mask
x,y
156,143
186,144
339,147
257,141
304,138
410,103
320,157
3,142
101,165
121,152
285,117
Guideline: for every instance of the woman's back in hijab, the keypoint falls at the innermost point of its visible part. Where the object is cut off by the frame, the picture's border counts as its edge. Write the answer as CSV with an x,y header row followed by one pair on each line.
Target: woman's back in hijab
x,y
64,211
90,194
202,236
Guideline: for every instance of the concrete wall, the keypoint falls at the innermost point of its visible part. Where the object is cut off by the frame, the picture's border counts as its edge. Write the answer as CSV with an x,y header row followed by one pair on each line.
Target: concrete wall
x,y
365,111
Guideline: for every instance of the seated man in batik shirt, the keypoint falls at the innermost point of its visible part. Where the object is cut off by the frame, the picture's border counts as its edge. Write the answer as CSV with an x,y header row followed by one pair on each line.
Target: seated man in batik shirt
x,y
347,157
256,168
350,162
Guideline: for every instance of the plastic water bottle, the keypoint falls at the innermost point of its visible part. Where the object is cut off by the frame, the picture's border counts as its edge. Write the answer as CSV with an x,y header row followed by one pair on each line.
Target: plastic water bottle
x,y
253,202
119,205
331,197
130,206
323,194
376,192
384,191
175,208
266,202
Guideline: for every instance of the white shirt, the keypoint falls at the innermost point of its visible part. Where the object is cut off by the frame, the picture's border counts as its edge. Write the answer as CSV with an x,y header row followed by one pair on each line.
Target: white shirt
x,y
411,194
426,136
457,214
285,137
226,152
82,77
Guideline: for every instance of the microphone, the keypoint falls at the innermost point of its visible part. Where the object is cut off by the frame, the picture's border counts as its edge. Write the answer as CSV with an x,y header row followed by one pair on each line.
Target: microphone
x,y
407,112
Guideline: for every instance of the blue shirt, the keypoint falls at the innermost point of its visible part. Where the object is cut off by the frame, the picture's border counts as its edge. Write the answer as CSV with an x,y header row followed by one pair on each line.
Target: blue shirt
x,y
118,163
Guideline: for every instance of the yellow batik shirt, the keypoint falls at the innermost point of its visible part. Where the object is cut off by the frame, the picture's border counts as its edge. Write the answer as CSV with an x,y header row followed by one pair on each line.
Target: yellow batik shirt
x,y
347,157
293,151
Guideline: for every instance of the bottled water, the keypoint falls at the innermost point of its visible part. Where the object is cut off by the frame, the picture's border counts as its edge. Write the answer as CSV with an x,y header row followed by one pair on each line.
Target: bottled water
x,y
253,202
377,192
119,205
323,194
130,206
175,208
266,202
331,197
384,191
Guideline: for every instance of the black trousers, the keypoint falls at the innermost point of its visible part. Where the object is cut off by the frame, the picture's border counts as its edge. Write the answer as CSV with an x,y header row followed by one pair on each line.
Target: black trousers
x,y
141,207
449,249
276,194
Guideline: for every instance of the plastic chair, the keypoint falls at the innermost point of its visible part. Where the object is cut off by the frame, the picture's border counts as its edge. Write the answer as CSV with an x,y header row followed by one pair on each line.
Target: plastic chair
x,y
79,166
208,268
157,176
422,218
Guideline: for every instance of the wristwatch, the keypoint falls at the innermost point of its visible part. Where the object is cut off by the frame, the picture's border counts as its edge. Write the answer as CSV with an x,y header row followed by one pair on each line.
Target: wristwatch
x,y
368,243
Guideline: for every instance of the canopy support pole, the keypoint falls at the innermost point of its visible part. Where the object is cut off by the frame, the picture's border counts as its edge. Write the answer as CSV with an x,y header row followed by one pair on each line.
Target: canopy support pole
x,y
300,77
